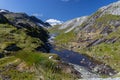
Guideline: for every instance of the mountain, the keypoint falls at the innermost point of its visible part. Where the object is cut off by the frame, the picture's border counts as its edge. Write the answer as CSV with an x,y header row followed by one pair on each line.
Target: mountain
x,y
39,22
18,18
3,11
68,25
24,49
113,9
72,24
96,36
3,19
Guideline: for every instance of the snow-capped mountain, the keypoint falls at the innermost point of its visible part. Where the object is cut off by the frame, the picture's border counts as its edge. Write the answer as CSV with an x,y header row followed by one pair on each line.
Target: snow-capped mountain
x,y
113,8
54,22
72,24
3,10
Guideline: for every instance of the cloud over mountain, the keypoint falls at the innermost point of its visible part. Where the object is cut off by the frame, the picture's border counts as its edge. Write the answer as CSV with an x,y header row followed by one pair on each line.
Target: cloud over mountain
x,y
54,22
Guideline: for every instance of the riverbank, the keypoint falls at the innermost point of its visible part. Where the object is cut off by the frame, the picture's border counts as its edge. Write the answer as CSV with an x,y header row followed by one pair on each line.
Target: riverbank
x,y
86,65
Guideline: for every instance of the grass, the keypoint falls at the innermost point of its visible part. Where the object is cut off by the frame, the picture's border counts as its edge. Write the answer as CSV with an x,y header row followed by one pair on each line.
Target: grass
x,y
45,66
107,18
32,58
54,29
9,35
17,75
28,39
8,69
106,53
114,34
42,66
65,38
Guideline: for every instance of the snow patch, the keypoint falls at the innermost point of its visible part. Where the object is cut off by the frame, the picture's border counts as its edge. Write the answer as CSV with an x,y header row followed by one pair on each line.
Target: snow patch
x,y
2,10
72,24
113,9
54,22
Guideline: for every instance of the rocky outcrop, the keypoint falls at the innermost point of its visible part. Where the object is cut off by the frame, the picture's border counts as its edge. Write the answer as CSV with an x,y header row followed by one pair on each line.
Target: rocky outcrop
x,y
18,18
113,8
28,25
73,24
3,19
40,22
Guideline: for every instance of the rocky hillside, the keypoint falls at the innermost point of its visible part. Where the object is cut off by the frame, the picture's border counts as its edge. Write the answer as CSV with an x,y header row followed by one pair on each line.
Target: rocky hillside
x,y
68,25
97,35
23,50
22,19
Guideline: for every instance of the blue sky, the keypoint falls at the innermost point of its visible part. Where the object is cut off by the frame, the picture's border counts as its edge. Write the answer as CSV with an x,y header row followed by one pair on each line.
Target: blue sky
x,y
57,9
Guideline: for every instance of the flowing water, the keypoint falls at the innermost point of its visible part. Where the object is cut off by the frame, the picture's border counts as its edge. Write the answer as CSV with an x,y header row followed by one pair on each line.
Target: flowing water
x,y
80,62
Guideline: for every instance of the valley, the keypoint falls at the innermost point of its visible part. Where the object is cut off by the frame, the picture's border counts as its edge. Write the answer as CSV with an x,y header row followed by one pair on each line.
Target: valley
x,y
95,36
84,48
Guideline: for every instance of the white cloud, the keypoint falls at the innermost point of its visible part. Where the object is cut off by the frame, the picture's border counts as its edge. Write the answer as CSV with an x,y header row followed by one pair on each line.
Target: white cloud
x,y
37,15
54,22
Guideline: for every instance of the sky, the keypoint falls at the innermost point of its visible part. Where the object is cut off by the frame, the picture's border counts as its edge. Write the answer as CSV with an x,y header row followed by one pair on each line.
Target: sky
x,y
62,10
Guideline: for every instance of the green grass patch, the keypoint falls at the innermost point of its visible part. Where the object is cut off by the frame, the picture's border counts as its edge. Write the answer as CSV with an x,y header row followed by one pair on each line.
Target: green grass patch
x,y
32,58
65,38
8,68
106,53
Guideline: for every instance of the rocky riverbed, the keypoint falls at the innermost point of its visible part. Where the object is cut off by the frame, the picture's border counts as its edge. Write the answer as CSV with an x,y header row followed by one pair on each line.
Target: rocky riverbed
x,y
101,79
88,69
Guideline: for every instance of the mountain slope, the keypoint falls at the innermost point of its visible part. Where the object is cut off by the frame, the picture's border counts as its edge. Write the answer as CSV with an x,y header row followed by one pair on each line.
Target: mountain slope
x,y
72,24
23,51
68,25
18,18
97,36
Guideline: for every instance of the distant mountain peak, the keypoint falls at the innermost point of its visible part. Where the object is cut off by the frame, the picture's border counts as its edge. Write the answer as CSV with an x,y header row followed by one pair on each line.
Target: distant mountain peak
x,y
72,24
21,19
3,10
54,22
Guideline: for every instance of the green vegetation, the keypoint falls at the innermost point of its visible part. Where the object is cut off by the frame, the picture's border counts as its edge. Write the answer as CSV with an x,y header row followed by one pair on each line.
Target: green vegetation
x,y
54,29
11,35
115,34
36,64
8,69
65,38
32,58
106,53
107,18
23,61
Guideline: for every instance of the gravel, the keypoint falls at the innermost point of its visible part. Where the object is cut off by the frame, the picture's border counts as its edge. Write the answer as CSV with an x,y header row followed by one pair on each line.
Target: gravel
x,y
118,78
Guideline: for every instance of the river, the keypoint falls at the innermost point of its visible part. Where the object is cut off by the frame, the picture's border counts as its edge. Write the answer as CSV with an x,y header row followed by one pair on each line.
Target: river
x,y
87,68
